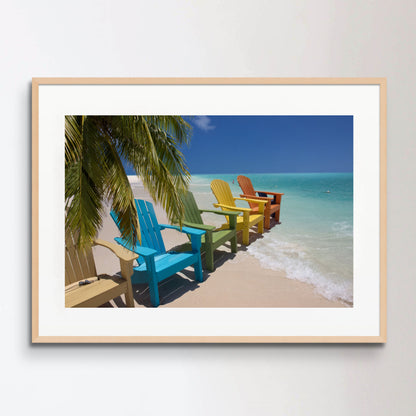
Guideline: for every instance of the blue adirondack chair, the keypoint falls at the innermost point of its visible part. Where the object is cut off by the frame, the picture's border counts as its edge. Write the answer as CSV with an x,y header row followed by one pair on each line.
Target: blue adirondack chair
x,y
155,264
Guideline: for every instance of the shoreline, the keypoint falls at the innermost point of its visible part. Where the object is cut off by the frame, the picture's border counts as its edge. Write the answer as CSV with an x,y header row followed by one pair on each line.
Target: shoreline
x,y
239,280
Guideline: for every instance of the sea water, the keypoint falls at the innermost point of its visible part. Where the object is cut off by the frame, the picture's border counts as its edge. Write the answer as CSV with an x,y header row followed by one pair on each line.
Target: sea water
x,y
314,242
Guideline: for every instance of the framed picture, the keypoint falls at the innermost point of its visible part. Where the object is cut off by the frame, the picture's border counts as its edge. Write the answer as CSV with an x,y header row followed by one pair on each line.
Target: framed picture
x,y
219,210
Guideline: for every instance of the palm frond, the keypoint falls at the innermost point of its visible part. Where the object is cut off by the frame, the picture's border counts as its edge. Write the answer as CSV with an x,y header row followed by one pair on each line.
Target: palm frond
x,y
94,172
119,192
158,161
73,139
84,185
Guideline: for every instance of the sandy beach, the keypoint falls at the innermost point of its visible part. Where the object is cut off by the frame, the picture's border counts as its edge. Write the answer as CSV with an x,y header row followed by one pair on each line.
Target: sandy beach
x,y
239,281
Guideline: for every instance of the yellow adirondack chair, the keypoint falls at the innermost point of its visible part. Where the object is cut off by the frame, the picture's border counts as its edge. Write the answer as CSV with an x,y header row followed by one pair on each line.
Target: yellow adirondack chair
x,y
226,201
83,287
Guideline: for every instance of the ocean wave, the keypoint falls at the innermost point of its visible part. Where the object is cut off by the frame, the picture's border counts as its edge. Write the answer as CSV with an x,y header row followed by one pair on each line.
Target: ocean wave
x,y
296,262
342,229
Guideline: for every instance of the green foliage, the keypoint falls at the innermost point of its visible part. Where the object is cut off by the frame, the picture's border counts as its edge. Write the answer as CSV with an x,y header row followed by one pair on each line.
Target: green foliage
x,y
94,172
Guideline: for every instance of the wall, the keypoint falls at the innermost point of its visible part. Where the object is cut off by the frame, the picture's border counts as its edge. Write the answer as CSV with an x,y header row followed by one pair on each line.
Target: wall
x,y
207,38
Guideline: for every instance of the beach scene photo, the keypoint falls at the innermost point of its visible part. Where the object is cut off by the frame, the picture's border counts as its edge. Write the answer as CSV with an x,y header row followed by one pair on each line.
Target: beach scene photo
x,y
209,211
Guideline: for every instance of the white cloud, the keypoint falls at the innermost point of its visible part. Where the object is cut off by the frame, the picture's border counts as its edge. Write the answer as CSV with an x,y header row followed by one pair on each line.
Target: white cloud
x,y
203,122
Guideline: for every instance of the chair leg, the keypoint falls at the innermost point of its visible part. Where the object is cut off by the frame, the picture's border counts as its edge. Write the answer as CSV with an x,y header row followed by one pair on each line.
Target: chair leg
x,y
209,258
260,227
234,244
198,269
129,295
127,272
267,221
277,216
209,251
154,292
246,234
246,228
267,216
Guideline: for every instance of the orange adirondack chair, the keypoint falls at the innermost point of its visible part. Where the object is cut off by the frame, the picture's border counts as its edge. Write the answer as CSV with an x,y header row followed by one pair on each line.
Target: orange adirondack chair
x,y
226,201
273,204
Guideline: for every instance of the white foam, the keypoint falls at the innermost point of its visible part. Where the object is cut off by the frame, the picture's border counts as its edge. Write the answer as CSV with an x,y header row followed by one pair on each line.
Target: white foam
x,y
293,259
343,229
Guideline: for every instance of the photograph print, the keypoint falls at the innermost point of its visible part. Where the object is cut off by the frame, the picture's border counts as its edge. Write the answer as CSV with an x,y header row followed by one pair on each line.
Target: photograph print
x,y
209,211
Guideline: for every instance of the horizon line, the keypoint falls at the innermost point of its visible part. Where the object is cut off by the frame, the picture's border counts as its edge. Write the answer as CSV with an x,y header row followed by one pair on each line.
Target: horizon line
x,y
263,173
252,173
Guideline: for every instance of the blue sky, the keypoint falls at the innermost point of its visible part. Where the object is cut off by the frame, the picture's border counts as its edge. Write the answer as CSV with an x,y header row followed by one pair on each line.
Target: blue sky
x,y
270,144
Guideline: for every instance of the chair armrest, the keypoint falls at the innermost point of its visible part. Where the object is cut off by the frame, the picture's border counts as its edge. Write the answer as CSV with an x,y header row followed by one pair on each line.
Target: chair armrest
x,y
214,211
196,235
230,208
232,215
185,230
140,250
126,263
264,198
270,193
121,252
255,201
199,226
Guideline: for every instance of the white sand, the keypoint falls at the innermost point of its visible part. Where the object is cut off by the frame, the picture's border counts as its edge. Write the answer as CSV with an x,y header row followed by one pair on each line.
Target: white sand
x,y
238,281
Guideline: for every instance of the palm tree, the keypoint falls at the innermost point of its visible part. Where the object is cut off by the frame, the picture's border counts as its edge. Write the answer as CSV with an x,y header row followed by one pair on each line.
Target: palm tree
x,y
95,148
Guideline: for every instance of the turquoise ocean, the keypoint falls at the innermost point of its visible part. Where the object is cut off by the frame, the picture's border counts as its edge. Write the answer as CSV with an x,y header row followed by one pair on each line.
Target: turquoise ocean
x,y
314,242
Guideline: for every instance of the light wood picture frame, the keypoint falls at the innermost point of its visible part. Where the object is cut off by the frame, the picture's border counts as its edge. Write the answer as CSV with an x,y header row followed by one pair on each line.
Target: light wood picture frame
x,y
364,99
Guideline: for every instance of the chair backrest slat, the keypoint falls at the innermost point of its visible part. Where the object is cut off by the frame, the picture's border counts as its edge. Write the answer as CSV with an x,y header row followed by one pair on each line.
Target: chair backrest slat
x,y
149,227
71,274
79,264
247,188
157,235
222,192
146,228
192,213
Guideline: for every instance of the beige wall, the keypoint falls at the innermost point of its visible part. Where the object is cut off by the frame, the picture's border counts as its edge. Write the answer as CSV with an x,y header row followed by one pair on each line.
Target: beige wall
x,y
208,38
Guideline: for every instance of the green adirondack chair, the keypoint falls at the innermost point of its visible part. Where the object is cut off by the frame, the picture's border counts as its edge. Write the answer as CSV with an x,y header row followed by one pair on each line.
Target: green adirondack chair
x,y
213,238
